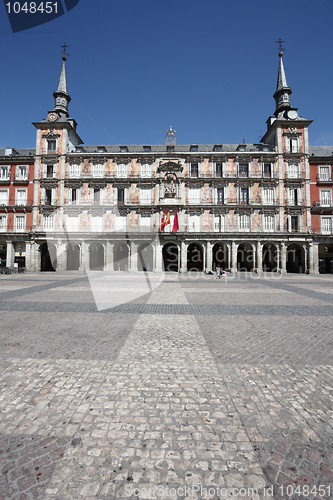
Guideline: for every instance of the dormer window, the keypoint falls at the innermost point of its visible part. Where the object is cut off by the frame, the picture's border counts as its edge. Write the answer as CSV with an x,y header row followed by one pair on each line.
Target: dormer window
x,y
170,148
101,149
123,149
218,147
241,147
147,149
194,148
79,149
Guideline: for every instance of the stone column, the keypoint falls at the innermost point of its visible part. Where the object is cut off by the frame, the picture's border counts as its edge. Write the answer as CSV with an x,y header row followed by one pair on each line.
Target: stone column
x,y
311,263
209,254
315,258
233,257
278,255
259,258
183,257
61,256
158,257
133,257
283,258
109,256
229,256
10,255
84,256
204,257
305,259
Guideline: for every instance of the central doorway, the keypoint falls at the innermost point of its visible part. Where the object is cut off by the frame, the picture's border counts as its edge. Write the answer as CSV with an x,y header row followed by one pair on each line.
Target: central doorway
x,y
170,257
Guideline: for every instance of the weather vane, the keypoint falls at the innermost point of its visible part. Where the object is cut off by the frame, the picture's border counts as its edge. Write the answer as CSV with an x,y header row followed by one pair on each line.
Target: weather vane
x,y
280,42
64,53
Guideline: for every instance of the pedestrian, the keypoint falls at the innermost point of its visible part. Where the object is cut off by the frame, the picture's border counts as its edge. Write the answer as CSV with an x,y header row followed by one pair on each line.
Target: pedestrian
x,y
217,272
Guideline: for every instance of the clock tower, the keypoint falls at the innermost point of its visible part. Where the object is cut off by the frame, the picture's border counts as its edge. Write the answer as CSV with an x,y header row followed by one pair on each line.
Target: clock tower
x,y
170,137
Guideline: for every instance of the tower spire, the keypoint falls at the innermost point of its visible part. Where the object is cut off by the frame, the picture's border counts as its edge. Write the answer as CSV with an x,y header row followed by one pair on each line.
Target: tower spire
x,y
283,92
61,95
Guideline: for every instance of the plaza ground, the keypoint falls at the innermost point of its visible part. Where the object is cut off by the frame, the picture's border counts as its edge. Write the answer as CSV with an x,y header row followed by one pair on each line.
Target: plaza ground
x,y
196,388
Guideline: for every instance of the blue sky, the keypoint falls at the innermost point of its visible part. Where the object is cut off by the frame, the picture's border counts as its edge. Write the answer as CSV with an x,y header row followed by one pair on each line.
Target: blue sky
x,y
206,67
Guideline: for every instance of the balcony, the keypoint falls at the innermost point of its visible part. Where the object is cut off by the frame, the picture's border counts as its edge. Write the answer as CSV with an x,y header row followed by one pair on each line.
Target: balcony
x,y
49,151
322,205
324,179
21,179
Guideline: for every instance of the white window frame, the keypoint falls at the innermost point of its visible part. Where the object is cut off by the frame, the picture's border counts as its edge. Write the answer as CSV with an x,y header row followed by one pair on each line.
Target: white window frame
x,y
74,170
269,223
325,197
3,176
244,222
98,170
324,173
4,199
146,196
21,201
19,175
268,195
146,170
96,222
326,224
73,223
293,171
48,222
122,170
20,222
195,223
3,222
194,196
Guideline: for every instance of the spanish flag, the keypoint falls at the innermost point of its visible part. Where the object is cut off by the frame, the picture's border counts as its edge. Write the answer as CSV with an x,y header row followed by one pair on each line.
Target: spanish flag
x,y
165,220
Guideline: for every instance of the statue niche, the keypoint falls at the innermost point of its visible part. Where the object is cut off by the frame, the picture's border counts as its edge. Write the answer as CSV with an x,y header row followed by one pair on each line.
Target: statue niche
x,y
170,186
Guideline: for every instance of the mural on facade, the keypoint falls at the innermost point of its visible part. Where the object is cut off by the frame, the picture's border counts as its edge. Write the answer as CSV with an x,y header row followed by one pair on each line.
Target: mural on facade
x,y
232,193
109,195
86,168
255,168
207,221
85,193
207,195
109,222
133,194
57,223
256,193
230,168
231,221
134,168
256,221
84,221
109,168
206,168
133,220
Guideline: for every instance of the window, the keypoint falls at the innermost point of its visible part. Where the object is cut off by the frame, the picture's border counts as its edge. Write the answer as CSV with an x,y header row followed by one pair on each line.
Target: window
x,y
293,196
97,196
121,170
97,169
194,148
325,197
243,169
244,196
48,222
146,170
326,225
145,196
294,223
293,171
3,222
51,146
217,147
218,170
19,222
21,196
101,149
268,196
194,195
72,223
194,170
195,224
292,143
123,149
325,173
170,148
75,170
267,170
3,196
121,197
244,222
269,223
147,148
49,170
4,173
97,223
22,172
220,196
74,196
48,196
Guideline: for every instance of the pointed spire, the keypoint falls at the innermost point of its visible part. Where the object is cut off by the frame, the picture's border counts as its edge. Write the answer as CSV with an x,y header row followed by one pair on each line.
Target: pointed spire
x,y
283,92
61,95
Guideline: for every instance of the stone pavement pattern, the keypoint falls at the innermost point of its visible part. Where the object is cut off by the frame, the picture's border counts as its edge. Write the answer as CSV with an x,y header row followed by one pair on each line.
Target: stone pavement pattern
x,y
226,386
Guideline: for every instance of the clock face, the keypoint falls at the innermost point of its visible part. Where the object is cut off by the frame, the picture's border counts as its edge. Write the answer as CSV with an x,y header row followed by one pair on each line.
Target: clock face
x,y
52,117
292,114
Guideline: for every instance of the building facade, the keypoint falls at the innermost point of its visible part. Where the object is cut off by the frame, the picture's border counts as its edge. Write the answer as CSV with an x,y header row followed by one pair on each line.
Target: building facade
x,y
264,207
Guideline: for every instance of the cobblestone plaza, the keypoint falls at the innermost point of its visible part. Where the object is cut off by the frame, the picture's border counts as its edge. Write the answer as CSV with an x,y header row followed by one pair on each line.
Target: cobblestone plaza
x,y
200,388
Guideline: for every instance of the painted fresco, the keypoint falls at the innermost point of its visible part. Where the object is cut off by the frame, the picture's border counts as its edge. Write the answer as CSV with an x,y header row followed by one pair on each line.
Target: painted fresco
x,y
133,194
207,223
57,224
109,168
133,220
85,193
230,168
85,221
256,193
134,168
231,221
255,168
154,222
109,222
109,195
207,195
256,221
86,168
232,193
206,168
